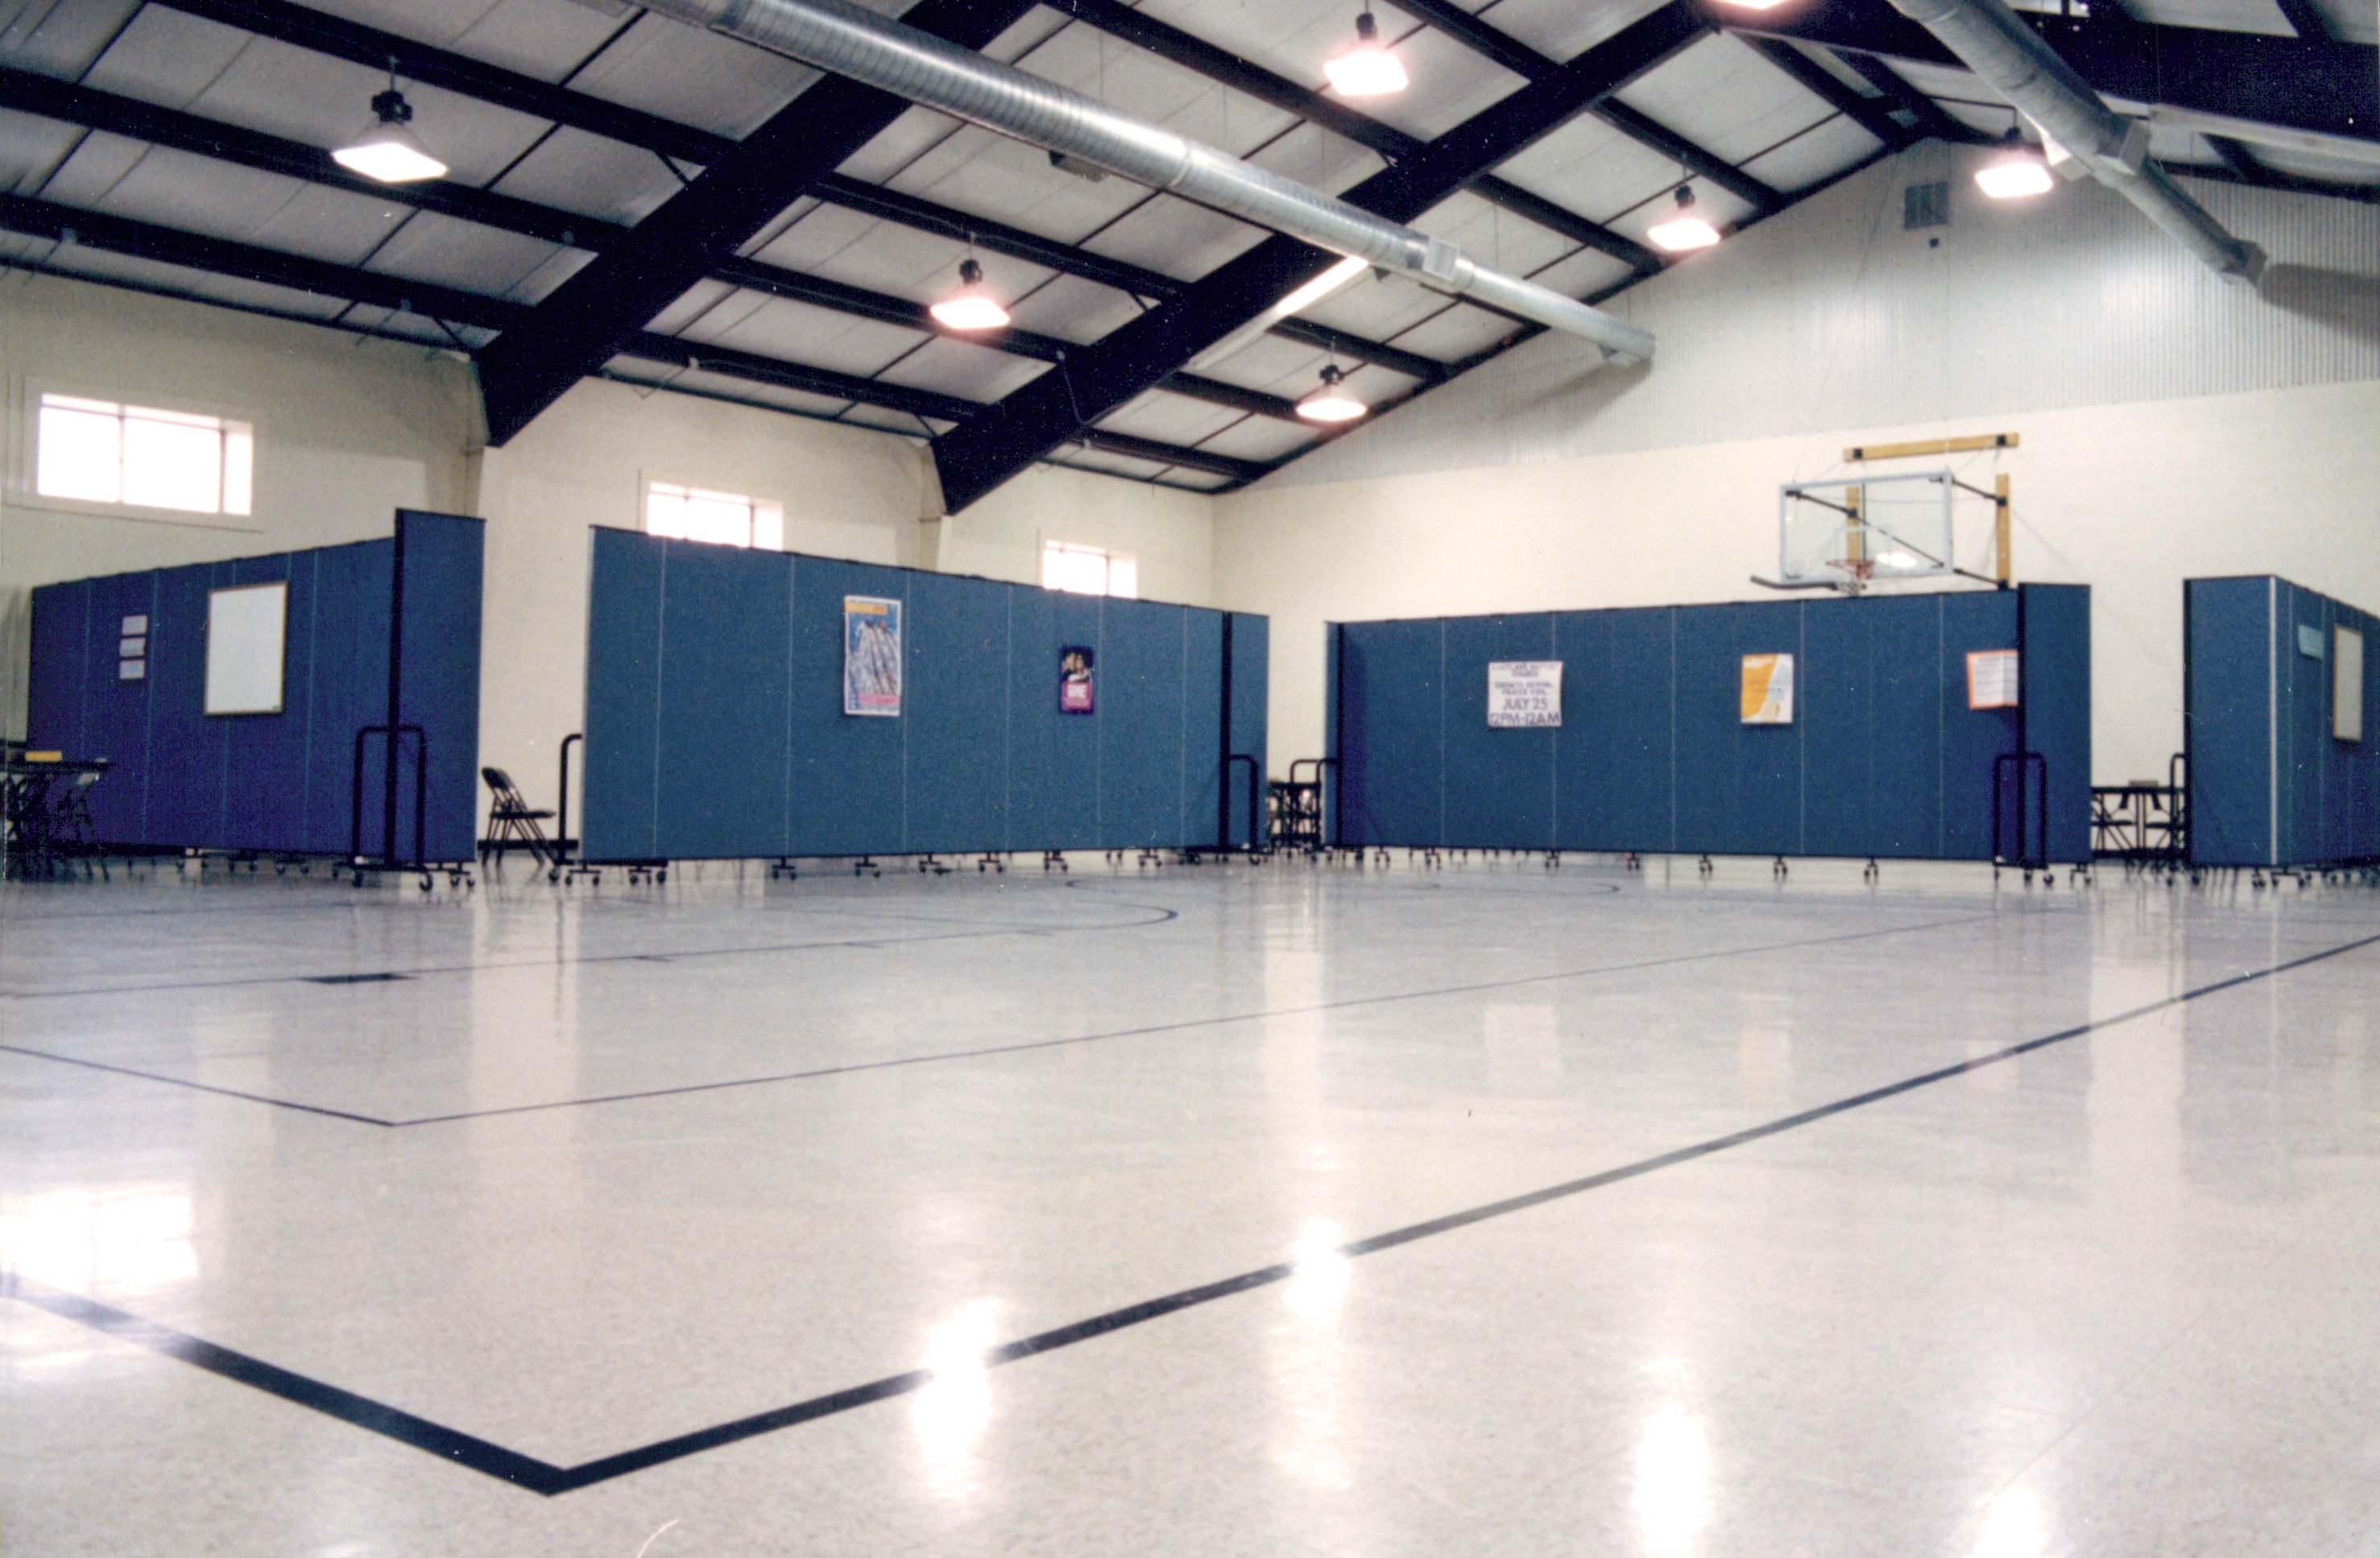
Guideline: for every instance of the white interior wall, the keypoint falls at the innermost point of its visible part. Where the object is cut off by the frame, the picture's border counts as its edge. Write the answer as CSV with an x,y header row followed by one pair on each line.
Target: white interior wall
x,y
2171,426
349,430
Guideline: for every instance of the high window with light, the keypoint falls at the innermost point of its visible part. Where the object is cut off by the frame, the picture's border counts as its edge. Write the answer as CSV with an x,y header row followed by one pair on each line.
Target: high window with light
x,y
100,452
690,513
1088,570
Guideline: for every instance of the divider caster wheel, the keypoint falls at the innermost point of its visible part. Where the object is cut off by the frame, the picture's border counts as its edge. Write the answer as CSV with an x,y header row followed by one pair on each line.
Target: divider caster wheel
x,y
1870,874
1704,867
1779,870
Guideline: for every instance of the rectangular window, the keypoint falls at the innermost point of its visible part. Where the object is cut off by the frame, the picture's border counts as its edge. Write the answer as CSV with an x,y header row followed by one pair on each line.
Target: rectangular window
x,y
99,452
1088,570
690,513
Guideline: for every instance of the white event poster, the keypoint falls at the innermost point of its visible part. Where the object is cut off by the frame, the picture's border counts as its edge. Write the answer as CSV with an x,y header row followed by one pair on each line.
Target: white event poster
x,y
1768,689
2347,685
1992,679
1523,695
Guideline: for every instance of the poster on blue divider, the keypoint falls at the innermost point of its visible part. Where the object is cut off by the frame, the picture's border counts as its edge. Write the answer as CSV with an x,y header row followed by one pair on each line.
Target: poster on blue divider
x,y
1768,689
1075,694
1523,694
871,655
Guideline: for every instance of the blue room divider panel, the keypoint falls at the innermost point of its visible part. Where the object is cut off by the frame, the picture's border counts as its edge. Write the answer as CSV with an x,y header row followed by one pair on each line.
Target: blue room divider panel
x,y
275,783
2270,783
715,727
1883,759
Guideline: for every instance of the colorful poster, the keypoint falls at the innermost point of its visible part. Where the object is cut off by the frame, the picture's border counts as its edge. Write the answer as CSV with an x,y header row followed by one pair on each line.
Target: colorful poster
x,y
871,655
1768,689
1992,680
1523,694
1074,693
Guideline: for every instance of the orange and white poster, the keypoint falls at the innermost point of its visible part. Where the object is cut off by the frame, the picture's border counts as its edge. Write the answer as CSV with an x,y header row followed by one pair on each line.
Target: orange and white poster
x,y
1768,689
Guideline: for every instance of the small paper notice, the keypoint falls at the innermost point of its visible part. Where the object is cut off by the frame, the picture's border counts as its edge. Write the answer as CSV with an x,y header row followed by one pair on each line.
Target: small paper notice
x,y
1992,679
1523,694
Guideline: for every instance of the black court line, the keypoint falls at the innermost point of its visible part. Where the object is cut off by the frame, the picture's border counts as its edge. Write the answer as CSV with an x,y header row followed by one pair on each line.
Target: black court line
x,y
986,928
542,1476
987,1051
1186,1025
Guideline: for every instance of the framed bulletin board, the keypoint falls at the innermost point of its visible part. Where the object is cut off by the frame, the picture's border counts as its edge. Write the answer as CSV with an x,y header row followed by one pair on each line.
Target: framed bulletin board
x,y
247,643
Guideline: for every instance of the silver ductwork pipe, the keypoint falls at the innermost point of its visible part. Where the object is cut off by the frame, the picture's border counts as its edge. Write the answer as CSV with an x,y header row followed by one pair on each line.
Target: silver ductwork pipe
x,y
1997,45
837,36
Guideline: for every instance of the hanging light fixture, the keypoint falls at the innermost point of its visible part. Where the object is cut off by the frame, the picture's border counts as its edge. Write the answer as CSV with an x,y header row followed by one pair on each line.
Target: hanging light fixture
x,y
1685,229
1330,400
972,306
2018,171
390,151
1366,68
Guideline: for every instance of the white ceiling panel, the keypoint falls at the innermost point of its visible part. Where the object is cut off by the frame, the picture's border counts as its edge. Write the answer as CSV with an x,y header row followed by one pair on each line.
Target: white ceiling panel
x,y
2351,19
2330,170
1726,99
1560,29
976,170
2221,16
1169,418
1293,38
964,369
1583,274
1175,239
1260,438
906,139
694,77
1378,309
1828,150
1104,463
886,420
31,149
539,285
798,333
696,301
166,57
591,175
55,39
91,169
320,101
1588,167
1273,363
1073,309
1456,333
1492,236
224,200
546,39
432,248
1319,161
883,257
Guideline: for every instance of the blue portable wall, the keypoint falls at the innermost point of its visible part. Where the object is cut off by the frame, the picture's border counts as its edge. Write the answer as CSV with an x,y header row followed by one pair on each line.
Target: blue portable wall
x,y
715,725
1884,757
2269,783
283,782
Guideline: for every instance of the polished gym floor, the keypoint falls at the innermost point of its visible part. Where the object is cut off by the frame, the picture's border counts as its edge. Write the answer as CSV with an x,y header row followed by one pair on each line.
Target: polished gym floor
x,y
1278,1210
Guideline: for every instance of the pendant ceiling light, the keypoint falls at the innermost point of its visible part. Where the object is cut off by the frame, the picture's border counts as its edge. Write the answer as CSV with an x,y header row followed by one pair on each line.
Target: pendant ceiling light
x,y
1685,229
390,151
1330,401
1367,68
2015,171
972,306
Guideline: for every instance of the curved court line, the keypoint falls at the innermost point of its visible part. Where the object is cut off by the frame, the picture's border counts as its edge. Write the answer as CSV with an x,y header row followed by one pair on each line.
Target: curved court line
x,y
542,1476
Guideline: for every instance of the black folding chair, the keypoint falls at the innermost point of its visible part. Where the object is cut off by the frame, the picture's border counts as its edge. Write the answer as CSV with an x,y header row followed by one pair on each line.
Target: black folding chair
x,y
511,820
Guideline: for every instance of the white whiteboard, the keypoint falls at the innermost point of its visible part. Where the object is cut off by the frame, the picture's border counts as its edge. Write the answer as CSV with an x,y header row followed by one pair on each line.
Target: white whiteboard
x,y
2347,685
245,634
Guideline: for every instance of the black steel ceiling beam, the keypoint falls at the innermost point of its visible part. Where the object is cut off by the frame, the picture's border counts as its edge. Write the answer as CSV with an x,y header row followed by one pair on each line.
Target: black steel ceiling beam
x,y
2236,157
980,456
1692,158
1929,116
305,27
1215,391
679,352
225,257
1396,359
579,327
2306,18
1386,142
1492,43
2321,85
1870,114
93,109
1171,455
302,27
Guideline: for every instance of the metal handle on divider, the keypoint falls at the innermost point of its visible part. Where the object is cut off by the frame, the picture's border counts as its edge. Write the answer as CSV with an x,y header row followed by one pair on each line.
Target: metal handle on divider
x,y
396,734
561,808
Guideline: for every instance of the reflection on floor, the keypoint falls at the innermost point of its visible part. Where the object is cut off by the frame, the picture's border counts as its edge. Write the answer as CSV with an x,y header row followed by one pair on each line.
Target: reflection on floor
x,y
1280,1210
